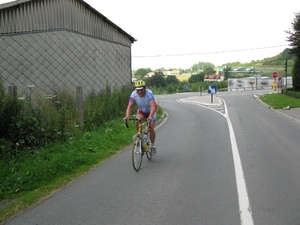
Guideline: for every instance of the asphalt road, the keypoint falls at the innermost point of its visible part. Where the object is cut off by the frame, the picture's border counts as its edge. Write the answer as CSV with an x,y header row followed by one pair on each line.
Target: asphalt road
x,y
269,147
194,178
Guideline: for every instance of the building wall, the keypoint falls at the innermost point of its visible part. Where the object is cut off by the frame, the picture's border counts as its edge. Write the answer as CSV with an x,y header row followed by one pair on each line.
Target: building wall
x,y
60,60
56,45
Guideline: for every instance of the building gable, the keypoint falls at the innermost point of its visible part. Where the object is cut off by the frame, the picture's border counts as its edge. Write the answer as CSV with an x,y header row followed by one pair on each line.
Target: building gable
x,y
73,15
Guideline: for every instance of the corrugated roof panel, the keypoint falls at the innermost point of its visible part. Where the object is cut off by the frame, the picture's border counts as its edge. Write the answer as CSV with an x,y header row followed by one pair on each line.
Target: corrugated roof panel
x,y
77,15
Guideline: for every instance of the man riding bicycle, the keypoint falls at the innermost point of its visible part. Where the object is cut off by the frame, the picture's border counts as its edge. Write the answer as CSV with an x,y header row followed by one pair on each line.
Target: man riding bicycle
x,y
146,104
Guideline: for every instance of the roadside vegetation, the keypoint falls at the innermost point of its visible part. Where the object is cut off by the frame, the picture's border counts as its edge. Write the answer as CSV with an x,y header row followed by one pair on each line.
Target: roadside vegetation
x,y
280,101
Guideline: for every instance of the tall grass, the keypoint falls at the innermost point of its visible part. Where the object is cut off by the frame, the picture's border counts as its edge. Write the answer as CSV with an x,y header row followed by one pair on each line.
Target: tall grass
x,y
27,123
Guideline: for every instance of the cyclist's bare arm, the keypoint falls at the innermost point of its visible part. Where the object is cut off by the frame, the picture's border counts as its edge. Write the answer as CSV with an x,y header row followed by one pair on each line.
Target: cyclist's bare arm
x,y
153,108
129,109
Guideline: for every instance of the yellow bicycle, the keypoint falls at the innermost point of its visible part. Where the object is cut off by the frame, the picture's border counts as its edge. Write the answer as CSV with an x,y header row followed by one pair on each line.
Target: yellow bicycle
x,y
140,144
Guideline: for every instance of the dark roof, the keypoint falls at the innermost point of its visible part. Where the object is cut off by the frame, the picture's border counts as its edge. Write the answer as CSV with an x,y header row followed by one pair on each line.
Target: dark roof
x,y
18,2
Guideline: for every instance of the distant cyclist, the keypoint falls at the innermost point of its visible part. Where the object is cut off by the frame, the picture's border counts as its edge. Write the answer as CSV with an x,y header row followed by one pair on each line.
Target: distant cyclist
x,y
146,104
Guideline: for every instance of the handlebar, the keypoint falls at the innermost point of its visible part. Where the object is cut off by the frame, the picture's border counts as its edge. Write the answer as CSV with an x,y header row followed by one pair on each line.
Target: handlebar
x,y
137,119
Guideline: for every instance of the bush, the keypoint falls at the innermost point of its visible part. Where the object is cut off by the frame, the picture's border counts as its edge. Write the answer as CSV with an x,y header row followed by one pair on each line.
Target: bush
x,y
29,123
292,93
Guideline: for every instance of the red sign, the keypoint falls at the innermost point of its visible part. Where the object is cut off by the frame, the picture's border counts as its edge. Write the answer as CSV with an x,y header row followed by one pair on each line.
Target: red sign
x,y
275,74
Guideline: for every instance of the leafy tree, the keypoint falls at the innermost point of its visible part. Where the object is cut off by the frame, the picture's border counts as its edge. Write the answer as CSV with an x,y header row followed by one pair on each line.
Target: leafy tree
x,y
286,55
171,88
196,78
226,70
172,80
202,66
209,71
184,71
296,74
141,73
157,80
233,64
294,39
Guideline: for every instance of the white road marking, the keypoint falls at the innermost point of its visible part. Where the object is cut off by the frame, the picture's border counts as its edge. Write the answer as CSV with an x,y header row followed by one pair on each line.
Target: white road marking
x,y
245,208
244,204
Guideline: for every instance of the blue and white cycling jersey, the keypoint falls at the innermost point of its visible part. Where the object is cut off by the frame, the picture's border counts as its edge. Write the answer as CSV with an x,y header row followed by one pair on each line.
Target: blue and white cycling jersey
x,y
142,103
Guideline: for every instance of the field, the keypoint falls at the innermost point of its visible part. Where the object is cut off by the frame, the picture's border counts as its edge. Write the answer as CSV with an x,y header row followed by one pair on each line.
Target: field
x,y
183,77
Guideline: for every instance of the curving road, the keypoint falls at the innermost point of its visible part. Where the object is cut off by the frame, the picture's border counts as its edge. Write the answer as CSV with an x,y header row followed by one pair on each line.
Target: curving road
x,y
203,173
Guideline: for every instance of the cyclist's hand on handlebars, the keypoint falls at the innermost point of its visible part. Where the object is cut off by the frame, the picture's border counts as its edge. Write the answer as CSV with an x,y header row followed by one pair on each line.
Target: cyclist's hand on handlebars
x,y
149,119
126,121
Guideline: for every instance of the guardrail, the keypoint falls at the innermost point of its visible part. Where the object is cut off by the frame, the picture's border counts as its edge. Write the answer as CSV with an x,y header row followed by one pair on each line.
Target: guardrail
x,y
245,88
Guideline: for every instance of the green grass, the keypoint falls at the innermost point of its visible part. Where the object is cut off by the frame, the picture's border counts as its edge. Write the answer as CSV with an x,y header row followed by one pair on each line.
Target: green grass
x,y
279,101
30,177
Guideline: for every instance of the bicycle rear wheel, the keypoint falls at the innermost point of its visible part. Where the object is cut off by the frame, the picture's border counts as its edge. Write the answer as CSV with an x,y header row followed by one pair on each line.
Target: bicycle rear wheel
x,y
149,152
137,153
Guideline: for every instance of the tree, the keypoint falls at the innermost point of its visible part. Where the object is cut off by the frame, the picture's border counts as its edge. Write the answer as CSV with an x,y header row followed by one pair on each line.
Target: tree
x,y
286,55
141,73
196,78
294,39
296,74
209,71
157,80
226,70
203,66
172,80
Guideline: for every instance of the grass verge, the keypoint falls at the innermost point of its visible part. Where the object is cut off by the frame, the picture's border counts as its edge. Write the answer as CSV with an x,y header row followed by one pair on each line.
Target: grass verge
x,y
279,101
31,177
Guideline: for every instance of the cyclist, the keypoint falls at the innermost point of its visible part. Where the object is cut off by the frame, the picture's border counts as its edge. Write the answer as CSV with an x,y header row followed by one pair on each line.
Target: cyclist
x,y
145,101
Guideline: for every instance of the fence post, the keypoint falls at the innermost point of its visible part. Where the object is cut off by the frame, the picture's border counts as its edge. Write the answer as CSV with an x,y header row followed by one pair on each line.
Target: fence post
x,y
13,91
79,95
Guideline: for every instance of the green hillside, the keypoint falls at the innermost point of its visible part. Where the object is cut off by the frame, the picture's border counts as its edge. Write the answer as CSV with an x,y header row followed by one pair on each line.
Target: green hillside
x,y
268,65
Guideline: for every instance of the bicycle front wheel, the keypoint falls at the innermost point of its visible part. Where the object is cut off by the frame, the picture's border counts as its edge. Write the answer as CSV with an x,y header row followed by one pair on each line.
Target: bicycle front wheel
x,y
137,153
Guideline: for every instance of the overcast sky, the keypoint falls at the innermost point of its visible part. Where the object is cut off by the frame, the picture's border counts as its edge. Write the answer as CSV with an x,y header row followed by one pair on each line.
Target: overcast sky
x,y
179,34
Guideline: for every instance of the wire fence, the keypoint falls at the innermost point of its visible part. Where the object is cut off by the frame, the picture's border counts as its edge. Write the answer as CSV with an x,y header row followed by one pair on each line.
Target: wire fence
x,y
46,63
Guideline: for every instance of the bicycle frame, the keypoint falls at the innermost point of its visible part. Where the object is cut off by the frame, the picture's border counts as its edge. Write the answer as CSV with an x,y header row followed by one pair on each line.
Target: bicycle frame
x,y
140,132
140,145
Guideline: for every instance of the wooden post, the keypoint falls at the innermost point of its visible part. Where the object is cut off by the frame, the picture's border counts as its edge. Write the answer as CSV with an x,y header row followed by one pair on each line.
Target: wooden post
x,y
13,91
79,95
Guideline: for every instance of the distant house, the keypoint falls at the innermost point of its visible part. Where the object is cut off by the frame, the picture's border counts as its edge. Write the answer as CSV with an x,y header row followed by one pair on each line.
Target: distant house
x,y
166,73
150,74
214,77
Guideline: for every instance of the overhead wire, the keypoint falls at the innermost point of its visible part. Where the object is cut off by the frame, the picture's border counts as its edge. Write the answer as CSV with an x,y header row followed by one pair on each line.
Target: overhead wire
x,y
206,53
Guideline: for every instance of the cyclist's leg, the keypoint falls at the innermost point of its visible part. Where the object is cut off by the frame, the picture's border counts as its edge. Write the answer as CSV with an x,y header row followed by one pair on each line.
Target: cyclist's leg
x,y
153,135
139,115
152,132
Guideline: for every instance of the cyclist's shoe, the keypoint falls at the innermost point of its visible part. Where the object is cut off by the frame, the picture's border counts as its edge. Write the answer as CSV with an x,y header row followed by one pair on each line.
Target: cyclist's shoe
x,y
153,150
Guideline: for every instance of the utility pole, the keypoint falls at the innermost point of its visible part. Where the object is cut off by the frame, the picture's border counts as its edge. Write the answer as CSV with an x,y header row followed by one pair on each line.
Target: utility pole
x,y
285,75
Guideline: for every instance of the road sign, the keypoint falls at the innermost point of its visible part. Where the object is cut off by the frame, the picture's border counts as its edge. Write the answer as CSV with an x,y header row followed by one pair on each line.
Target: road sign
x,y
212,89
275,74
186,86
